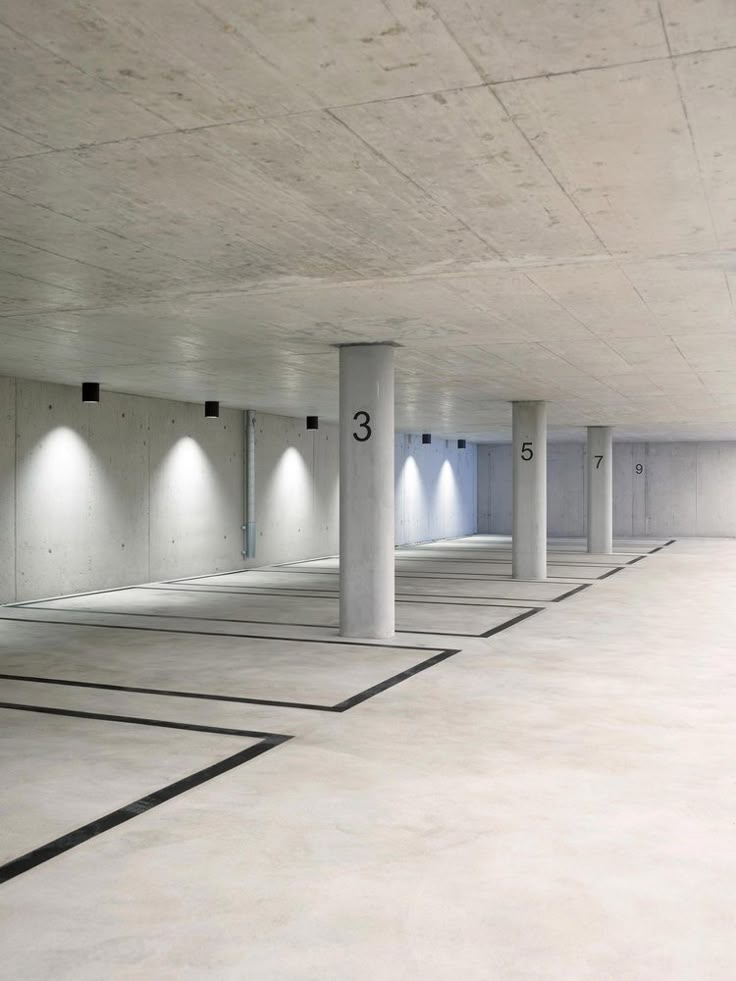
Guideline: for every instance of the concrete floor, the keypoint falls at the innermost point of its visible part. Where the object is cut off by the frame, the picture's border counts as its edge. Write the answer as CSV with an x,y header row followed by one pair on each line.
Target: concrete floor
x,y
555,800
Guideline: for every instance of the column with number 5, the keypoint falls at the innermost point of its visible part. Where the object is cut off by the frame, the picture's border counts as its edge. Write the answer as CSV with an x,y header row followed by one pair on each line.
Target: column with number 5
x,y
529,541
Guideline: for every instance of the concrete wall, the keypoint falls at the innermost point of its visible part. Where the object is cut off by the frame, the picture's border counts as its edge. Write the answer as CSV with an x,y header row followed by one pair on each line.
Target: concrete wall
x,y
130,490
297,490
684,489
565,489
137,490
436,489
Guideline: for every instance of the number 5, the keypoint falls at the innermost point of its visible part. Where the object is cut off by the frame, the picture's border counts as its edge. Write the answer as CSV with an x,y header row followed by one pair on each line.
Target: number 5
x,y
526,451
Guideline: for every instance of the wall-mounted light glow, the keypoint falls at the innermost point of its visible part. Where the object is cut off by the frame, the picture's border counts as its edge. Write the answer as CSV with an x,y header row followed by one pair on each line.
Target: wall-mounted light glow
x,y
461,444
183,477
212,410
312,422
90,391
426,438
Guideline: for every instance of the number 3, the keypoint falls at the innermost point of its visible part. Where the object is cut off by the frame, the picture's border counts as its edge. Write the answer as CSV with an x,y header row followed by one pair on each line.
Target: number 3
x,y
526,451
363,424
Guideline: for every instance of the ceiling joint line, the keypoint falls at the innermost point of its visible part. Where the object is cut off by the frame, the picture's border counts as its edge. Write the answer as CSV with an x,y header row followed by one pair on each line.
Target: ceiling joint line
x,y
686,115
549,170
414,183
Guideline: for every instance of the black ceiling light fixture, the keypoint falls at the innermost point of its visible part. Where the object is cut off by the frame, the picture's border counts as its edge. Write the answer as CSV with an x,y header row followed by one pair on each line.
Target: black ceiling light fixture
x,y
426,438
461,444
312,422
212,410
90,392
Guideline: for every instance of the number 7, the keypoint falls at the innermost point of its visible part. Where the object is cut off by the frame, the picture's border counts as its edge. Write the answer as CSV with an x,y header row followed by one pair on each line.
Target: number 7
x,y
600,460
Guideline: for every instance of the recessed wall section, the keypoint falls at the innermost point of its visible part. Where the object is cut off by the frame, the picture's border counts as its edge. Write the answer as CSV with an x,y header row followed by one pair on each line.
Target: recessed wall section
x,y
436,487
659,489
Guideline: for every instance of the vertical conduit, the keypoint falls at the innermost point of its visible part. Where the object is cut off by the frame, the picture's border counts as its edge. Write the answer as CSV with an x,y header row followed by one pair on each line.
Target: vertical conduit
x,y
249,528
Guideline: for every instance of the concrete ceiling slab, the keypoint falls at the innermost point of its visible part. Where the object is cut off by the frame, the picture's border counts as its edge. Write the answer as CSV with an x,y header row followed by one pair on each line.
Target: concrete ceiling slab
x,y
619,143
700,26
534,200
515,40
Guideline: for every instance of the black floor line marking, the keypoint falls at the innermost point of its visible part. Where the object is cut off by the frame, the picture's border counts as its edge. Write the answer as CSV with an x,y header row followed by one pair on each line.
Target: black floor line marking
x,y
135,720
17,866
554,580
94,592
214,633
314,558
396,679
504,561
362,696
58,846
400,598
612,572
500,550
164,692
493,558
448,576
461,557
510,623
555,552
660,547
430,599
213,575
179,616
342,706
578,589
270,623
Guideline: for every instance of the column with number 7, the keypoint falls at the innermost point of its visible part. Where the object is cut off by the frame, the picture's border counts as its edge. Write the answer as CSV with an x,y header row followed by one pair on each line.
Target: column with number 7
x,y
599,478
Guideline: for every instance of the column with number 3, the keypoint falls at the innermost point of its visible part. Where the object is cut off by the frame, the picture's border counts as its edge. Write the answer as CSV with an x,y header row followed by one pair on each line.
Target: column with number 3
x,y
367,490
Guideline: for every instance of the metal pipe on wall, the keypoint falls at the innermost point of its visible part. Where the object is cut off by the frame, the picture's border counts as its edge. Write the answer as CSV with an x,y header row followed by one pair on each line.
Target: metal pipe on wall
x,y
249,528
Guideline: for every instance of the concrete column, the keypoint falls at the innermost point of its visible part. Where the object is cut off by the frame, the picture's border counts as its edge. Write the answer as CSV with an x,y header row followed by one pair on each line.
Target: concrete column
x,y
367,490
599,467
529,543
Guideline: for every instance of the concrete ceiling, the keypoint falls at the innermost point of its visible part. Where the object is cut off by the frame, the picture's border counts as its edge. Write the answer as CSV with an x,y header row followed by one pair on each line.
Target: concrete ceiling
x,y
536,198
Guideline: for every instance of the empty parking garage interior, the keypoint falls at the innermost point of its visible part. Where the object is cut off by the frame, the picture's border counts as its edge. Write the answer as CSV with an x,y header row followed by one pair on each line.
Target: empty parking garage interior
x,y
367,490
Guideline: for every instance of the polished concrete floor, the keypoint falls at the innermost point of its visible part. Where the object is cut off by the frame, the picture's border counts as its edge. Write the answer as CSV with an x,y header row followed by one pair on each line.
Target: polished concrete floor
x,y
532,780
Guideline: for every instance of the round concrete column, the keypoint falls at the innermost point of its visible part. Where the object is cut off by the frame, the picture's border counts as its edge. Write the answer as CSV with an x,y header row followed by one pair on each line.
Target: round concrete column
x,y
529,543
599,472
367,490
